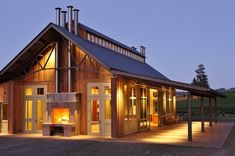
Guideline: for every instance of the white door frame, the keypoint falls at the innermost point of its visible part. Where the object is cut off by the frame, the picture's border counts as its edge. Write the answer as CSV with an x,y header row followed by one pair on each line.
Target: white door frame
x,y
34,98
104,124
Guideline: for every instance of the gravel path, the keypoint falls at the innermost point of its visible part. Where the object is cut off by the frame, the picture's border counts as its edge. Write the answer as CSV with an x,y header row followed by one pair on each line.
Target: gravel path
x,y
18,146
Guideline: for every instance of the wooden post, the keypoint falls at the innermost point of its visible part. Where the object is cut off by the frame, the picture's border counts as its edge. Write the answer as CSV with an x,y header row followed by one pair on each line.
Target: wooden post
x,y
215,110
114,118
202,114
189,119
210,112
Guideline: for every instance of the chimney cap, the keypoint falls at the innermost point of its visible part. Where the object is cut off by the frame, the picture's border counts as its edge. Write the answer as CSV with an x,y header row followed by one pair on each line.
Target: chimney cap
x,y
58,8
63,11
70,6
142,46
76,10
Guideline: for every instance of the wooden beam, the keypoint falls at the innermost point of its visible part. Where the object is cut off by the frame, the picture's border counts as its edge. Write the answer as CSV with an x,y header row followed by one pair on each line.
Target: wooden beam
x,y
210,112
114,118
215,110
202,114
190,138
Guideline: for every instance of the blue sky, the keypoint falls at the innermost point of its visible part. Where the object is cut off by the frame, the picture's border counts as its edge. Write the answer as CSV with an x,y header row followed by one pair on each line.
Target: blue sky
x,y
178,34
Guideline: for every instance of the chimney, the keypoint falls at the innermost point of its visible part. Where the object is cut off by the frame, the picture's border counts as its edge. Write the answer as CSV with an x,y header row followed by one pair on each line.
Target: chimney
x,y
58,16
76,21
142,50
134,48
70,17
63,19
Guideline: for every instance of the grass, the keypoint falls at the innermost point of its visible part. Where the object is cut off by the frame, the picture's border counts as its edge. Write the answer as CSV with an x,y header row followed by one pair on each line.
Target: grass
x,y
224,106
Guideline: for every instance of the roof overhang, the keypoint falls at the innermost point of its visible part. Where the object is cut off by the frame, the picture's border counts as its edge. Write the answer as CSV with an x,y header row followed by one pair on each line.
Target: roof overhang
x,y
194,90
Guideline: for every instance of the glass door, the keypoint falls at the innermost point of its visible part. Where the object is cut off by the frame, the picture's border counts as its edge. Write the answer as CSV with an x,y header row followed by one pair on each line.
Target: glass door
x,y
106,116
3,118
34,108
144,110
28,115
94,116
99,109
40,109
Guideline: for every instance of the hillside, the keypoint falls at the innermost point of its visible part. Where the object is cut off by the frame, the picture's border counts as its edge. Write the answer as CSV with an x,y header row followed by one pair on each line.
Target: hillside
x,y
225,106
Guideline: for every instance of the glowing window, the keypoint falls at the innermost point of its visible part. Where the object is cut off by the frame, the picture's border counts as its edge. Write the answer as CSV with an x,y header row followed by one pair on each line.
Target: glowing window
x,y
95,90
28,91
107,90
28,109
107,109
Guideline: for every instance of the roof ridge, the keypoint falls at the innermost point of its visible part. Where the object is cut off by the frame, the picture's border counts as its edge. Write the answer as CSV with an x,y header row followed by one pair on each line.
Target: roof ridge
x,y
110,39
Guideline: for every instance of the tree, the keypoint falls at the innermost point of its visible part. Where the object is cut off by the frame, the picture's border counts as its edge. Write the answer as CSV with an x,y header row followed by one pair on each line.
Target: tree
x,y
201,78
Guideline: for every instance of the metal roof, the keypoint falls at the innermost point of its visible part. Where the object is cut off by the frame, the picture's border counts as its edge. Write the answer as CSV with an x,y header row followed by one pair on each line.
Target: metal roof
x,y
113,61
110,39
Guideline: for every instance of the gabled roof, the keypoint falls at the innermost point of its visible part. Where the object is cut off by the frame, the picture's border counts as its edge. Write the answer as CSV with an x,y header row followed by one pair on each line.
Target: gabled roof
x,y
108,58
113,61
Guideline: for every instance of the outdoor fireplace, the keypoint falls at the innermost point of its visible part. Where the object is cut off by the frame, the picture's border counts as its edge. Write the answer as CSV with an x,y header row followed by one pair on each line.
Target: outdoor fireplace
x,y
60,115
63,114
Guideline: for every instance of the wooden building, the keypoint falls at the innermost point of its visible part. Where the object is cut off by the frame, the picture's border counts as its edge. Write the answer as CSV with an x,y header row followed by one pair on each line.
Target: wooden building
x,y
71,80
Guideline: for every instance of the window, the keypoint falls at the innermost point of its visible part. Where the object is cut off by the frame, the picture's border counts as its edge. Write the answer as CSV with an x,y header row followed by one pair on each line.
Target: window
x,y
92,38
100,41
4,111
88,36
40,91
107,90
95,90
155,102
28,91
131,105
107,109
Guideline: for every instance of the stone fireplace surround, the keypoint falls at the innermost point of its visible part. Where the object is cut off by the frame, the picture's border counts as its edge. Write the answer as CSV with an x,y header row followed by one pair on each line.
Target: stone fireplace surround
x,y
62,100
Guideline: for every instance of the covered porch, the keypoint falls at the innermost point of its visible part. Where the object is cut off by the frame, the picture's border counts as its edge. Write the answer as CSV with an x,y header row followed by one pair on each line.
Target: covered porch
x,y
177,134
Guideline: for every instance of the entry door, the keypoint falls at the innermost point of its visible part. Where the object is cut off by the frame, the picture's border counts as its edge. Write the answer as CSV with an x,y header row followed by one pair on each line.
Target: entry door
x,y
34,108
3,118
100,116
34,113
99,109
143,115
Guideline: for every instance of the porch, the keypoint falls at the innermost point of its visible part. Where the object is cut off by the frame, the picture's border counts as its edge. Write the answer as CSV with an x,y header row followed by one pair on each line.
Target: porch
x,y
177,134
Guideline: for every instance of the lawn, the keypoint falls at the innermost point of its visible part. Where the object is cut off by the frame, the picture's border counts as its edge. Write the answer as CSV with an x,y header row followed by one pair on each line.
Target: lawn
x,y
224,106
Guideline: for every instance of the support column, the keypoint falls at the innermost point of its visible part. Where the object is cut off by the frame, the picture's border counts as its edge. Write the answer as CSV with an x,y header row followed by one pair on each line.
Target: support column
x,y
114,118
202,115
190,139
215,110
210,112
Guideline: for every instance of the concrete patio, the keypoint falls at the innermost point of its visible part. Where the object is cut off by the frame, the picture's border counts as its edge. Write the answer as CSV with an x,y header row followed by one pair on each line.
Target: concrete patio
x,y
214,137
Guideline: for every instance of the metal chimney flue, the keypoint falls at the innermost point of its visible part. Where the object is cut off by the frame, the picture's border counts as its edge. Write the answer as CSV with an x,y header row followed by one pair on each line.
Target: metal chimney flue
x,y
70,17
76,21
58,16
142,50
63,18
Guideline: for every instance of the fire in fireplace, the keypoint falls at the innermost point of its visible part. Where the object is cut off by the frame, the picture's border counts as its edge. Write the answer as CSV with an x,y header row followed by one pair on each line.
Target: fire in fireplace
x,y
60,115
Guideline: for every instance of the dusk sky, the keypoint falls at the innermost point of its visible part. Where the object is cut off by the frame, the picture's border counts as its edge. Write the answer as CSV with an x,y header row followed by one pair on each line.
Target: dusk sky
x,y
178,34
